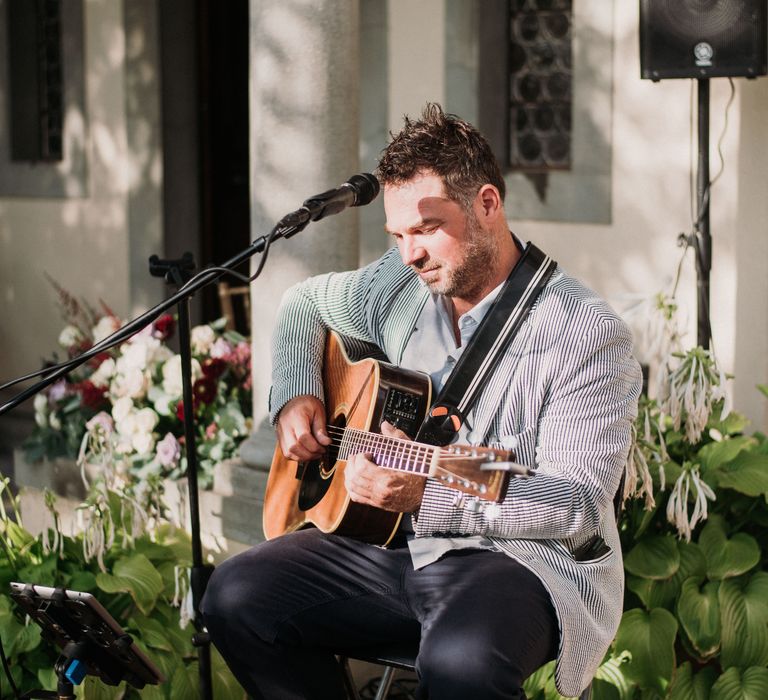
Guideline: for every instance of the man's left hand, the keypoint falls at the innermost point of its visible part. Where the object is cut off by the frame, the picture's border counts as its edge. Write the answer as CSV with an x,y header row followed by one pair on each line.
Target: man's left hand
x,y
388,489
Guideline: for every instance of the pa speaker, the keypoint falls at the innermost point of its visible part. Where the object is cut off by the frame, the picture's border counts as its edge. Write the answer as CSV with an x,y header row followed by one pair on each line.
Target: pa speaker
x,y
702,38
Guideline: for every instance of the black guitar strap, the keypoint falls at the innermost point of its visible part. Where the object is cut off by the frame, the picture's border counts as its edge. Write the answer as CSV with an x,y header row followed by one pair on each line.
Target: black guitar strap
x,y
523,286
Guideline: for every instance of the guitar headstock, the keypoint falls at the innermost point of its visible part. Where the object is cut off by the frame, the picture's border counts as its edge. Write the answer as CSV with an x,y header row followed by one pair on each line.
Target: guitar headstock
x,y
471,470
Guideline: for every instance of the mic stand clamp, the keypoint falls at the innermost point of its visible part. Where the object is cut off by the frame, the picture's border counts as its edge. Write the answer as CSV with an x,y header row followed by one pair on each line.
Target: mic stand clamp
x,y
176,273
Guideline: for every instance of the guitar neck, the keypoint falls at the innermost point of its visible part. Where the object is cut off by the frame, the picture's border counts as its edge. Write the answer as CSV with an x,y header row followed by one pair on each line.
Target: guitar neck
x,y
390,452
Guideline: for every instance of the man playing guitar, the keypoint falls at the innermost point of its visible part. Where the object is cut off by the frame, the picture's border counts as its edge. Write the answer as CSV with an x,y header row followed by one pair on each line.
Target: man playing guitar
x,y
490,593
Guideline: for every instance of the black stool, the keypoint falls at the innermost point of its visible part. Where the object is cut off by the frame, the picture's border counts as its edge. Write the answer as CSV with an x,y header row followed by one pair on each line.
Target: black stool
x,y
392,657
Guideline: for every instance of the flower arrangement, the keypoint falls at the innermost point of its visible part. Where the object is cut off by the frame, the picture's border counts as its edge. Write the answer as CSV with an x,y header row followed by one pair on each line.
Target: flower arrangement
x,y
125,405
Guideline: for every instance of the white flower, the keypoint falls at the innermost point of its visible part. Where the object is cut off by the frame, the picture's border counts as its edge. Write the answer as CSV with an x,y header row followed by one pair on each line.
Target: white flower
x,y
41,403
142,442
69,336
135,356
41,419
168,450
133,384
172,375
54,421
689,482
106,326
104,372
202,338
693,387
121,409
146,420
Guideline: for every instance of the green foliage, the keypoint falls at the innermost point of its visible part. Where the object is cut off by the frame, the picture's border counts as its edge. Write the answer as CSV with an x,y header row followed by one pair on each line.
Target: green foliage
x,y
695,625
137,586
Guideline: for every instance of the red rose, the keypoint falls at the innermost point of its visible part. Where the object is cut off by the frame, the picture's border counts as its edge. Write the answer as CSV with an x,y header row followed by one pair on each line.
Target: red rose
x,y
204,390
180,411
213,368
164,327
91,396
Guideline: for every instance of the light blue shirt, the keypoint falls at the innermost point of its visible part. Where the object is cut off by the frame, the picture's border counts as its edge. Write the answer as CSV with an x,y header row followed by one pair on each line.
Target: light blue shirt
x,y
432,348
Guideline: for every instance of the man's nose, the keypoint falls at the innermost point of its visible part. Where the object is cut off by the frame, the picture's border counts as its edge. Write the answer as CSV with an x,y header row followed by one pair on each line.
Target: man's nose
x,y
410,251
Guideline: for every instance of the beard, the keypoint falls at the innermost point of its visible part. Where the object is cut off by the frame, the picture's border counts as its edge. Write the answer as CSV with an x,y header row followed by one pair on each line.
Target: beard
x,y
466,278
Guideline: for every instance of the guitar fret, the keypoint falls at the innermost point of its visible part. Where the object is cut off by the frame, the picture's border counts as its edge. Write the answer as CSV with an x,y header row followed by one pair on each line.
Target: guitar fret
x,y
390,453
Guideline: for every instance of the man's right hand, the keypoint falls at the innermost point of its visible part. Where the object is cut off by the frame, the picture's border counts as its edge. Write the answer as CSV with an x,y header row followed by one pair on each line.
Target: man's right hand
x,y
301,429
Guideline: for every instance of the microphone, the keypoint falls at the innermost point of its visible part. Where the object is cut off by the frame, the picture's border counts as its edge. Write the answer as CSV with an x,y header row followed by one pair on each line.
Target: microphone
x,y
358,191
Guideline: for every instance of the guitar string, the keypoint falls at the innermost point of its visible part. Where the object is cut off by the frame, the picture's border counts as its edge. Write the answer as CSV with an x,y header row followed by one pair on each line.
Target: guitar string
x,y
374,440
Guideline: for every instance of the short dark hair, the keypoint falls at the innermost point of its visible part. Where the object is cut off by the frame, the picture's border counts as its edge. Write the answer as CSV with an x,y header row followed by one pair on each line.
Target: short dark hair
x,y
447,146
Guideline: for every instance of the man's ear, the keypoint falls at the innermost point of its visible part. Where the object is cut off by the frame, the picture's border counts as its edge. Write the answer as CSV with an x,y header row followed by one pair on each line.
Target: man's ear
x,y
489,201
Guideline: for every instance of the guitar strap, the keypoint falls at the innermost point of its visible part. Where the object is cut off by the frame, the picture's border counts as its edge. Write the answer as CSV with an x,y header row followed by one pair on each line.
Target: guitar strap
x,y
523,286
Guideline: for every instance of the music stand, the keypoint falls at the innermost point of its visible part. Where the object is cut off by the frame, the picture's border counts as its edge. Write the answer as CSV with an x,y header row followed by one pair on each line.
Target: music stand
x,y
91,640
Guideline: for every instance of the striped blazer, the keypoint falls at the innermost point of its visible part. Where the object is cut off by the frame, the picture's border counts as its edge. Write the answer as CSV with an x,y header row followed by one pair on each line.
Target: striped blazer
x,y
563,397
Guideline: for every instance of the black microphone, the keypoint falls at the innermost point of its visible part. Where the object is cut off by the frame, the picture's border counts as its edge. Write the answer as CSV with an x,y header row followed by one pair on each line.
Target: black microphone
x,y
356,192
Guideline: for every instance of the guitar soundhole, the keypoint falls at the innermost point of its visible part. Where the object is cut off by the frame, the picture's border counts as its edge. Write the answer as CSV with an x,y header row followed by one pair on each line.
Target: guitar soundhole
x,y
316,476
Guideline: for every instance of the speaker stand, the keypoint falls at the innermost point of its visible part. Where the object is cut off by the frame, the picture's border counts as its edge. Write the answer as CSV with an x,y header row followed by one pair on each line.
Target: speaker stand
x,y
701,233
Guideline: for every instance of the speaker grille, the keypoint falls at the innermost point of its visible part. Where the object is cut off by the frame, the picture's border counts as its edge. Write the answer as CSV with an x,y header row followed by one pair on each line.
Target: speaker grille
x,y
702,38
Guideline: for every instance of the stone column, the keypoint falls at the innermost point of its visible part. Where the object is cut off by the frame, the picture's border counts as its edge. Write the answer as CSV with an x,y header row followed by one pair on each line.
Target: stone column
x,y
304,140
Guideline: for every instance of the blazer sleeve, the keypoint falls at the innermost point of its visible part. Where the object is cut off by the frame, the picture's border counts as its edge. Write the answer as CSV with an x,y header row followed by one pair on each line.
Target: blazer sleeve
x,y
582,439
350,303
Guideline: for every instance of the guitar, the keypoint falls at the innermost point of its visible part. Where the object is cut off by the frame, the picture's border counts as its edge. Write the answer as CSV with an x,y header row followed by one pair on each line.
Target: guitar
x,y
358,397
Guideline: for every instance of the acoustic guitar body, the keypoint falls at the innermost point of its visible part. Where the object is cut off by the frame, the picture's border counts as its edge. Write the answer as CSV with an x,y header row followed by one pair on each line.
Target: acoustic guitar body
x,y
358,395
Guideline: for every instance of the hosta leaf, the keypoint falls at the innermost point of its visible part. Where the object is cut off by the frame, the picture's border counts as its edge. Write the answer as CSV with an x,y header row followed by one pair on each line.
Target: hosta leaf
x,y
649,637
94,689
699,613
750,684
727,557
135,575
687,685
663,593
184,682
654,557
224,683
611,674
744,620
747,474
716,454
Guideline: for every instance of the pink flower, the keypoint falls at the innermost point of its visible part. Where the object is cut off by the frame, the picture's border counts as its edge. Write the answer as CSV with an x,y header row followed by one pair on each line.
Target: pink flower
x,y
102,420
58,390
168,450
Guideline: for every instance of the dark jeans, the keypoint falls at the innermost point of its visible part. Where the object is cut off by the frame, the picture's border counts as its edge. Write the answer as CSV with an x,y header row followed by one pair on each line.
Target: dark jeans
x,y
278,612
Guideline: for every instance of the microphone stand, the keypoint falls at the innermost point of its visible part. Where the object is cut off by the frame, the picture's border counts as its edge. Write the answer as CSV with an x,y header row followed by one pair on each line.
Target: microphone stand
x,y
360,190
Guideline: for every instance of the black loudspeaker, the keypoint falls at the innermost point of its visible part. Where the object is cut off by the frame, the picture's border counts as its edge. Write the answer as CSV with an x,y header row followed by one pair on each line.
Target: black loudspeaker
x,y
702,38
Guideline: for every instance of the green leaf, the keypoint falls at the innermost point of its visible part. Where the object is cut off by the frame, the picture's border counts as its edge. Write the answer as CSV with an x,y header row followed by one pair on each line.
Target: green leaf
x,y
751,684
94,689
650,639
135,575
747,474
716,454
663,593
763,388
744,620
734,424
699,613
224,683
611,673
687,685
654,557
184,682
727,557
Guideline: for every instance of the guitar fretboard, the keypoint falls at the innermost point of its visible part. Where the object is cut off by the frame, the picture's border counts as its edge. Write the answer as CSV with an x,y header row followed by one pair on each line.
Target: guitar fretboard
x,y
389,452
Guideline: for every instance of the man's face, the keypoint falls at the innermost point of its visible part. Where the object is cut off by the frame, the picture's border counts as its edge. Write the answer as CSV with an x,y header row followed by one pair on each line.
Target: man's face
x,y
445,245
